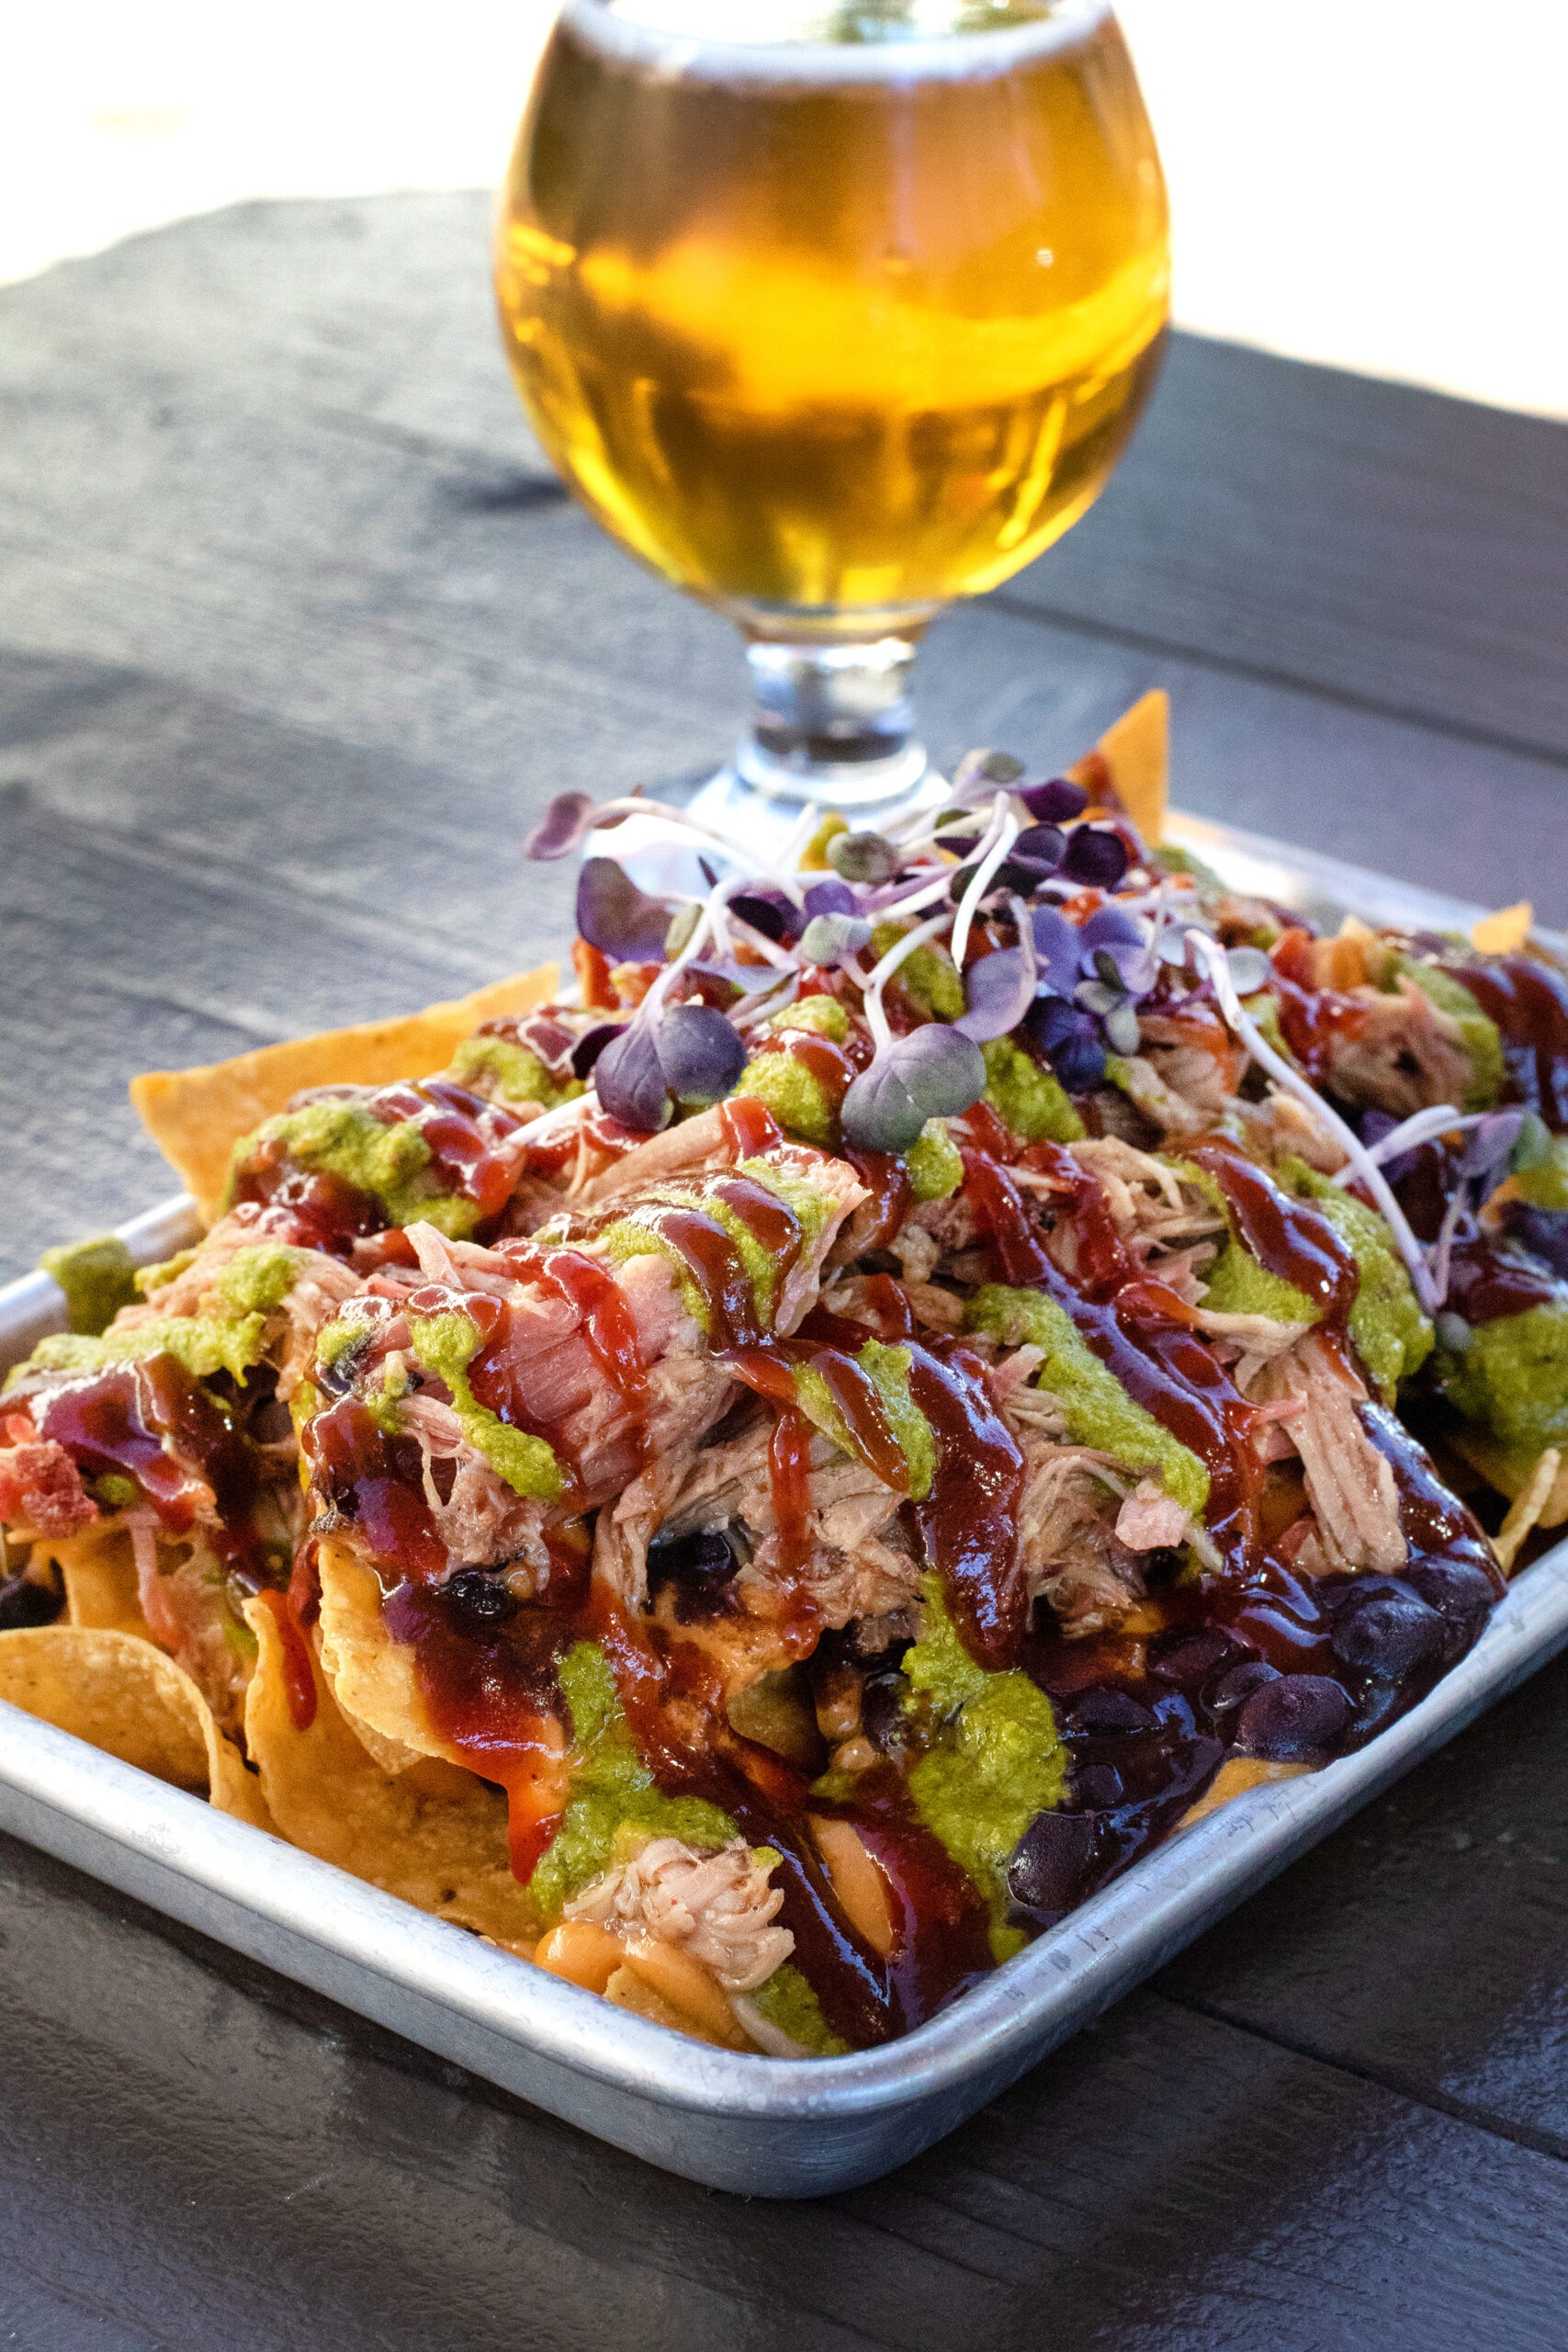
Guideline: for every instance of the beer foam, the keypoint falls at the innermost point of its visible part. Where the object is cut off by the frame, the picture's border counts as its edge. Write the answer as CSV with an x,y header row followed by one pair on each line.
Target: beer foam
x,y
684,53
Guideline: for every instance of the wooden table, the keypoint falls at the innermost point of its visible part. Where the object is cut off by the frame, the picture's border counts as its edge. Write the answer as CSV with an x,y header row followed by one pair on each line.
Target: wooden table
x,y
298,632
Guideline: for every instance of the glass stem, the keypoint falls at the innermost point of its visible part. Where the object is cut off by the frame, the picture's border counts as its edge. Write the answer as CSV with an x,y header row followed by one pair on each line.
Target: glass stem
x,y
833,723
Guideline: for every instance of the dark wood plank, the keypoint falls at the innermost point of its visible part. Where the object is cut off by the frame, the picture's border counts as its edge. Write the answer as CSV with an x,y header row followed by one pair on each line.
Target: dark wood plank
x,y
1404,551
187,2139
299,634
1424,1945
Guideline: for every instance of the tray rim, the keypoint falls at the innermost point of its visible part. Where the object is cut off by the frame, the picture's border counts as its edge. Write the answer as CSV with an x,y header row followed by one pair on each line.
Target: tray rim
x,y
376,1953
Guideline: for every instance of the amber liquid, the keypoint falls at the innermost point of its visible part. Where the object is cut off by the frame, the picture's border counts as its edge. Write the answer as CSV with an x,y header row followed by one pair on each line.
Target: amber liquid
x,y
834,347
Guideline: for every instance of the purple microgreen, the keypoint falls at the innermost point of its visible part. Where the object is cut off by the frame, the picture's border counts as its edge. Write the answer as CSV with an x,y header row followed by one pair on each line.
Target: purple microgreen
x,y
730,975
1057,947
1494,1138
961,845
1249,969
1096,855
935,1072
588,1048
830,939
1112,927
1095,996
1004,832
1001,988
862,857
1124,963
1043,845
617,917
777,992
979,774
631,1080
1121,1031
710,872
700,1055
1055,803
834,897
1492,1142
768,911
564,823
1070,1041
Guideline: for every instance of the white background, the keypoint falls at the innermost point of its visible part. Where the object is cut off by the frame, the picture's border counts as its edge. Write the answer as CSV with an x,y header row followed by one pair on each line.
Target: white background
x,y
1383,185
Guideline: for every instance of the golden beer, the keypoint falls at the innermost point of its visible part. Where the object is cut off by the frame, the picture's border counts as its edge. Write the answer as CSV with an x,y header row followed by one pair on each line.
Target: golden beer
x,y
831,321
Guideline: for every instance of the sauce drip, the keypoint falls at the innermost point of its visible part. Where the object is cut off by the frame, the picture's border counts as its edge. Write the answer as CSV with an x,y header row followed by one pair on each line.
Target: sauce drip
x,y
1530,1004
1291,1240
968,1523
494,1698
152,1421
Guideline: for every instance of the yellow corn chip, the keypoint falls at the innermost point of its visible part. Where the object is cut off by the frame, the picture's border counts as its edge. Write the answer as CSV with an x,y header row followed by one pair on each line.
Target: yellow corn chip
x,y
125,1696
1234,1778
196,1116
99,1572
371,1674
1136,750
1524,1512
1509,1470
1505,932
433,1835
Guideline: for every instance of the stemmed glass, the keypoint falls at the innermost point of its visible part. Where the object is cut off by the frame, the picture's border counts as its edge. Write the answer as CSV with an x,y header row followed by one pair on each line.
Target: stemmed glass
x,y
832,316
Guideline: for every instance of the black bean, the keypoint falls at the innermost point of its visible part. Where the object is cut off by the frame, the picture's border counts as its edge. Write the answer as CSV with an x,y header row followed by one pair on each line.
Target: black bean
x,y
23,1602
1193,1658
1454,1589
882,1707
480,1596
1098,1787
701,1558
1386,1634
1104,1708
1240,1682
1294,1716
1053,1861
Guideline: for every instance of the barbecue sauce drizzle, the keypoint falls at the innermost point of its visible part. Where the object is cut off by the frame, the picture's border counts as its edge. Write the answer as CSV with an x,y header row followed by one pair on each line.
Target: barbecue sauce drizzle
x,y
494,1694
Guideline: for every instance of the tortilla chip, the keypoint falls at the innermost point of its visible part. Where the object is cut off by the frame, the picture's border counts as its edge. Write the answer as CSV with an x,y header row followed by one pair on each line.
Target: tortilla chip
x,y
1524,1512
125,1696
1505,932
1234,1778
99,1572
372,1675
1136,751
435,1836
1509,1469
196,1116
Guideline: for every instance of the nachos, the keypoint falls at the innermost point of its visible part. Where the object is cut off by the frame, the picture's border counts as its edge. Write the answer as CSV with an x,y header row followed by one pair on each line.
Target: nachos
x,y
759,1488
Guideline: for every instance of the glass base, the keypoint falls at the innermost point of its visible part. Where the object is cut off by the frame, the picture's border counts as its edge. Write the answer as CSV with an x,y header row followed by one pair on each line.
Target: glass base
x,y
734,805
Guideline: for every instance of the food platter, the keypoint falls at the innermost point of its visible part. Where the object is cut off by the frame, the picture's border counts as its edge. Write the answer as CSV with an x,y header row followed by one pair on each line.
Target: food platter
x,y
748,2123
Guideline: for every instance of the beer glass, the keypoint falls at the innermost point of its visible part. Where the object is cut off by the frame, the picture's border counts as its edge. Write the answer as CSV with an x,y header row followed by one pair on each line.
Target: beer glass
x,y
832,317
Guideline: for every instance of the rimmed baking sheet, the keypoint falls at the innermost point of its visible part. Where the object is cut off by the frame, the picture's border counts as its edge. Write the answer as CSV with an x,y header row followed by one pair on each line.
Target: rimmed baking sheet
x,y
762,2126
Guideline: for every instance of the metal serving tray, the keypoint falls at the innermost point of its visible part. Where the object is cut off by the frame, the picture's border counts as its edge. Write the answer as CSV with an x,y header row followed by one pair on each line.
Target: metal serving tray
x,y
763,2126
